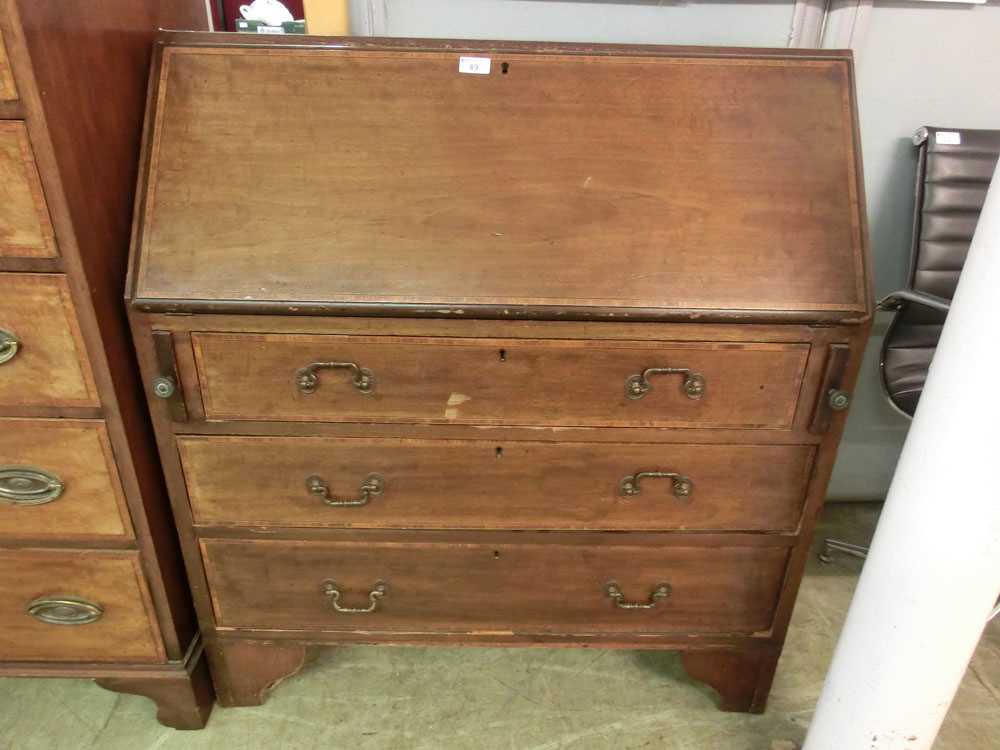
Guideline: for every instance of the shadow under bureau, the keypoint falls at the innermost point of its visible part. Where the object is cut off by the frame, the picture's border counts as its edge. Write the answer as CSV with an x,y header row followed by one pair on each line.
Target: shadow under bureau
x,y
552,355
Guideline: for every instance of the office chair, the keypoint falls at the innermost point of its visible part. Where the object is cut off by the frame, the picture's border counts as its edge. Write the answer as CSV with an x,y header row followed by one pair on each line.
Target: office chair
x,y
954,168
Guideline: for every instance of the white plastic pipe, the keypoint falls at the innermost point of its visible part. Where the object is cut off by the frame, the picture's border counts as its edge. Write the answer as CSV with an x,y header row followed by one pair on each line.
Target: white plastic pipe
x,y
933,573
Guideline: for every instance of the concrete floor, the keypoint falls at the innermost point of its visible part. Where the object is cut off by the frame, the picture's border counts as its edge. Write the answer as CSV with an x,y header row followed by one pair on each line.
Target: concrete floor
x,y
516,699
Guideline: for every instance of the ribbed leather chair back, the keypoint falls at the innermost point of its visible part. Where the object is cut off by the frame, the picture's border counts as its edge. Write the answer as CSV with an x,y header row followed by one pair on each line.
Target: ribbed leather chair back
x,y
952,181
953,173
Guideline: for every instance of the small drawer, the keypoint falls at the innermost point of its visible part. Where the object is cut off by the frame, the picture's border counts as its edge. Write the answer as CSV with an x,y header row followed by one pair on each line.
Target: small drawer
x,y
471,484
535,586
43,361
8,90
75,606
25,227
58,479
498,381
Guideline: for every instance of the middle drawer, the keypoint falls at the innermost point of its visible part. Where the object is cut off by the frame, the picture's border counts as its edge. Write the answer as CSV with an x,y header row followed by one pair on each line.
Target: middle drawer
x,y
474,484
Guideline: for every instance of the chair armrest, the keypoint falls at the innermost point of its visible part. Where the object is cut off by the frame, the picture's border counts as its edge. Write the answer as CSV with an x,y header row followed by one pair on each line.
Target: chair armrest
x,y
894,300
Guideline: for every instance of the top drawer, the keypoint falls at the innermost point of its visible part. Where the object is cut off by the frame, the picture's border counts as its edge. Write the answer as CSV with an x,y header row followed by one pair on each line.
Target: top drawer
x,y
337,378
8,91
25,229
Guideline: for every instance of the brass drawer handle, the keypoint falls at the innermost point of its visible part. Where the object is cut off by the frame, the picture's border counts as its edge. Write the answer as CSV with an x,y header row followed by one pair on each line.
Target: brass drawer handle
x,y
65,610
26,485
693,385
373,485
682,486
380,589
307,378
9,344
614,591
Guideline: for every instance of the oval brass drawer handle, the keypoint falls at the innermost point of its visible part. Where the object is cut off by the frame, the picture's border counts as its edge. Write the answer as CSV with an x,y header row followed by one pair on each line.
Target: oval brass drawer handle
x,y
9,344
65,610
693,385
614,591
682,486
373,485
26,485
380,589
307,378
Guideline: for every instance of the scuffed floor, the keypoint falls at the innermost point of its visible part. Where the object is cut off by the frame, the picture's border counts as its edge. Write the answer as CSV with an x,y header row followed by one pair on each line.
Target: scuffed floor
x,y
515,699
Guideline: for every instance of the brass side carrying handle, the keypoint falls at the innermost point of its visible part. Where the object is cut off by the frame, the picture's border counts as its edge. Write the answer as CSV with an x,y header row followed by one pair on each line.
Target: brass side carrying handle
x,y
65,610
380,589
614,591
681,485
307,378
374,484
26,485
9,345
693,385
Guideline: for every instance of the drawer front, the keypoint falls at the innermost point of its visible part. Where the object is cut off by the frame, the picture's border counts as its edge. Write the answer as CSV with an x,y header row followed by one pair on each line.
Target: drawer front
x,y
524,587
479,484
497,381
58,479
25,228
108,610
8,91
44,359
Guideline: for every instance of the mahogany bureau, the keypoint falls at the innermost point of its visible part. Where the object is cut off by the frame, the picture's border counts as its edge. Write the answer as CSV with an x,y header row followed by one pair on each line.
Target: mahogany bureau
x,y
550,346
91,580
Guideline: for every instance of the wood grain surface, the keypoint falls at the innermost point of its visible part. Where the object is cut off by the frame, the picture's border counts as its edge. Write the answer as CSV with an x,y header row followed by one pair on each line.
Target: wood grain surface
x,y
261,481
499,381
78,452
25,227
494,586
51,365
390,177
114,581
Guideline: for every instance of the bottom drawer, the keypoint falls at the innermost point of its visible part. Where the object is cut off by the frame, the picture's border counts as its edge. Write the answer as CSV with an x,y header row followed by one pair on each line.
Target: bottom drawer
x,y
75,606
531,586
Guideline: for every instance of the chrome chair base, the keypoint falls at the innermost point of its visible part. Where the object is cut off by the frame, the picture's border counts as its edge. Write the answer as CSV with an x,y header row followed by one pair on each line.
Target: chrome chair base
x,y
836,545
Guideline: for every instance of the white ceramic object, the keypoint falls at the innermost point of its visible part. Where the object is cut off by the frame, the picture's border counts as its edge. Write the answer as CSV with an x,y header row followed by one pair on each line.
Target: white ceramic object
x,y
271,12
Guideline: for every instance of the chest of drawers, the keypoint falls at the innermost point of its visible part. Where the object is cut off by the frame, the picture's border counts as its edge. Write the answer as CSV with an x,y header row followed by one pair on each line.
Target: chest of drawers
x,y
91,580
554,355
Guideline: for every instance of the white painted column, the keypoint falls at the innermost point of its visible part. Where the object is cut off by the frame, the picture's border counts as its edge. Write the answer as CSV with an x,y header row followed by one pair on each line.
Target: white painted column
x,y
933,573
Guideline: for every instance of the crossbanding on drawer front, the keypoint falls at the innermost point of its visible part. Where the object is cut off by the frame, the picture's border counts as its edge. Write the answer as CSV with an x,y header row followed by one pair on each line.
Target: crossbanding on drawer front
x,y
58,479
355,482
498,381
75,606
42,356
25,227
8,91
524,587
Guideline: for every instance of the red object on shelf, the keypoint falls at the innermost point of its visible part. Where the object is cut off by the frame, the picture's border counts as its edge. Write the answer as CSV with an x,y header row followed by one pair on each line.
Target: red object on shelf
x,y
231,12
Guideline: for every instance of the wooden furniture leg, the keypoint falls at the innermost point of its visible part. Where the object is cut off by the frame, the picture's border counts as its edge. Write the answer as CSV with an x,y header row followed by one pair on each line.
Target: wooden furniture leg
x,y
741,678
183,699
244,672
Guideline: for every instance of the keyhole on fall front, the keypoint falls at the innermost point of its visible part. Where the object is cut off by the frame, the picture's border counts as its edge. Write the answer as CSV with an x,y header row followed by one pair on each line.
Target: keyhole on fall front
x,y
504,67
499,452
503,355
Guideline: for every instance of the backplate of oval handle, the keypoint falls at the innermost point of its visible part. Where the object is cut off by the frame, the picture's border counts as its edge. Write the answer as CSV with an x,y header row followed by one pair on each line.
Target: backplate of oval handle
x,y
693,385
9,345
65,610
27,485
681,485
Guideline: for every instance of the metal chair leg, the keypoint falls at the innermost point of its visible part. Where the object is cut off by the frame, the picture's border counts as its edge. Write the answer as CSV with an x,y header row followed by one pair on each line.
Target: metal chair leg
x,y
836,545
